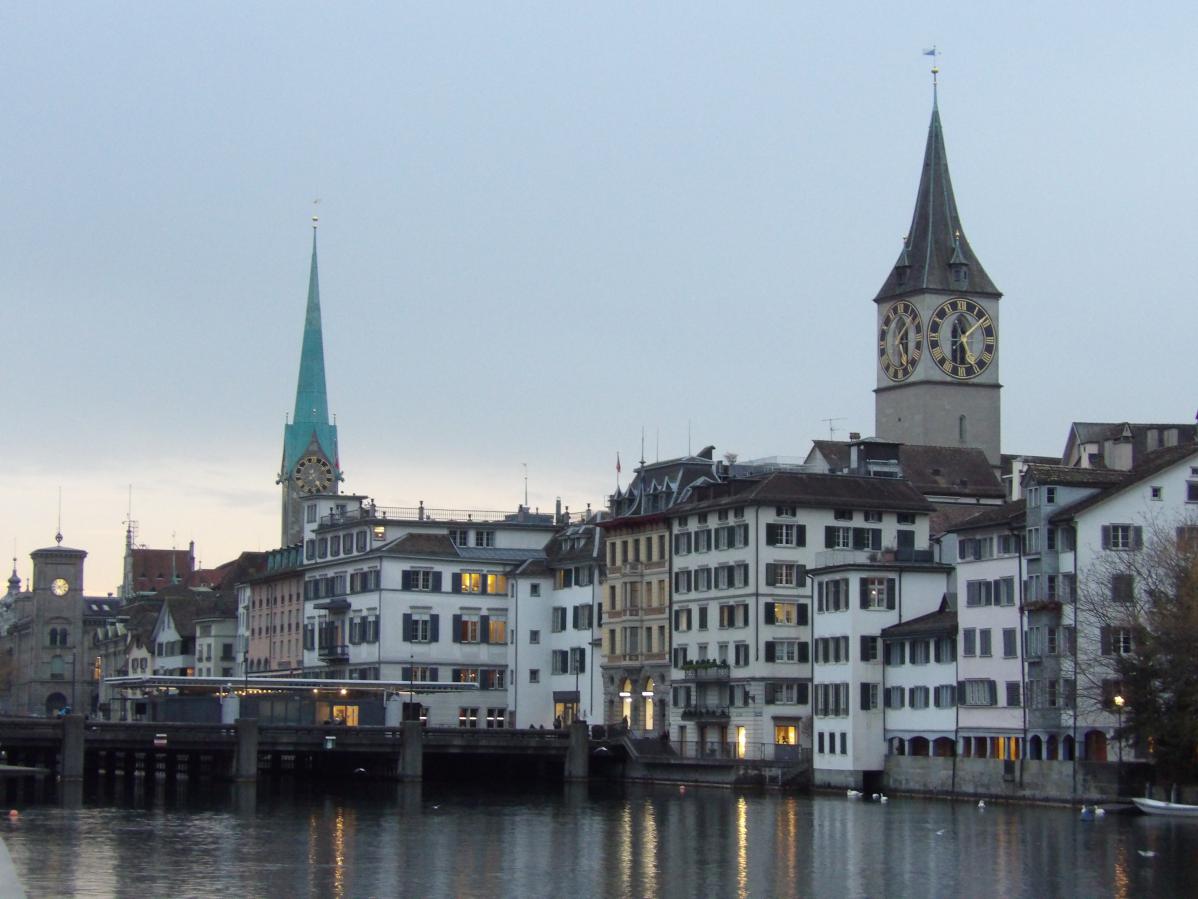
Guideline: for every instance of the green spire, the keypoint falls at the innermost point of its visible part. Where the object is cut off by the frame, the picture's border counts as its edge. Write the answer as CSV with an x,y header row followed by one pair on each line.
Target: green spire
x,y
310,423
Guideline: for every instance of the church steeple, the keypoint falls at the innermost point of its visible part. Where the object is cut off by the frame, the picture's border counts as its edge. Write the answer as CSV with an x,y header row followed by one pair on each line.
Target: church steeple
x,y
309,433
936,254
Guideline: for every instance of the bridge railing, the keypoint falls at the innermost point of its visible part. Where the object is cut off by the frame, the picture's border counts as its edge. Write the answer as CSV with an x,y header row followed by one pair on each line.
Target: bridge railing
x,y
750,752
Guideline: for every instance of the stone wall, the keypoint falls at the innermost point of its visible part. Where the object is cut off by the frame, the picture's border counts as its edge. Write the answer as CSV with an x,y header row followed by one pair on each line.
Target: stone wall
x,y
994,778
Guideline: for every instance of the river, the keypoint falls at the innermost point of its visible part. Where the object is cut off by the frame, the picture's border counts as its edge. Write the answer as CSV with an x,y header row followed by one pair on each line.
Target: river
x,y
471,839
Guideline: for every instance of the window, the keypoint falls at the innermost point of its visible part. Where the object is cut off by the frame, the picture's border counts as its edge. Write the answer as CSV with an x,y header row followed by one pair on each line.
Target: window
x,y
1122,536
979,692
582,617
832,595
497,629
969,638
484,538
559,619
420,580
578,660
1050,495
877,592
921,652
459,537
896,652
534,675
419,628
873,517
742,655
945,696
702,579
785,535
838,537
869,696
906,518
682,582
1010,642
781,574
843,514
496,718
682,543
917,697
783,613
984,648
1013,693
310,513
869,649
785,511
1116,641
534,590
468,627
534,637
895,697
467,717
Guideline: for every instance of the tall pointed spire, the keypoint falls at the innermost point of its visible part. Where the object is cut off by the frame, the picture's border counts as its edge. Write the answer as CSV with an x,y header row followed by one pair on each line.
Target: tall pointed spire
x,y
936,254
310,422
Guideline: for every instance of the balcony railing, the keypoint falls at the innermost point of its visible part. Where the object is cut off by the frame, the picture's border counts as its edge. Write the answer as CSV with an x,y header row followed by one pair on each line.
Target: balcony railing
x,y
830,557
706,713
763,752
698,671
371,512
334,652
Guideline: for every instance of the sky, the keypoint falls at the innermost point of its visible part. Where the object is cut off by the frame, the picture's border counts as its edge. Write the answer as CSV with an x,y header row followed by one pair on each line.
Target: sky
x,y
545,227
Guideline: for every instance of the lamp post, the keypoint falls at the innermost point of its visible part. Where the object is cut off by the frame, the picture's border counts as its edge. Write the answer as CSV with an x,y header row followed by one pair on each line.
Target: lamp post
x,y
1119,700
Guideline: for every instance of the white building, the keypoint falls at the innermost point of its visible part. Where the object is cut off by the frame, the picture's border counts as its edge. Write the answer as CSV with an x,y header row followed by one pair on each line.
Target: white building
x,y
920,692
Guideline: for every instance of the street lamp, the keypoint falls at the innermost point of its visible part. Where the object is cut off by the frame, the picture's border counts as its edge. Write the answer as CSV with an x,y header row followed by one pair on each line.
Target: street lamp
x,y
1119,700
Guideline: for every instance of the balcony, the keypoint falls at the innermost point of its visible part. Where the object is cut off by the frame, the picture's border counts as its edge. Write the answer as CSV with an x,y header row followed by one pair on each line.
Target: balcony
x,y
718,714
334,652
703,672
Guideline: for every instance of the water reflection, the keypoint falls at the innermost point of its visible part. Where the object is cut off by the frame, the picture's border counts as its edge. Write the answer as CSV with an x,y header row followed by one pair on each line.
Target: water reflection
x,y
609,841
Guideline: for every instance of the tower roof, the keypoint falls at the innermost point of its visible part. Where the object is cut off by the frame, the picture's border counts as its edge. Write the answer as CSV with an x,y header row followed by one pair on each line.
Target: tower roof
x,y
936,241
310,423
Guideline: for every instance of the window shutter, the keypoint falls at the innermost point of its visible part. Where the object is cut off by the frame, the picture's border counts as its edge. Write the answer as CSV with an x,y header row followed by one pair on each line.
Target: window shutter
x,y
800,535
960,692
769,613
456,584
865,649
582,661
890,592
863,591
771,574
820,593
434,629
829,537
457,630
804,652
865,697
406,673
484,629
1105,640
436,582
769,693
771,534
1106,536
433,674
1137,537
800,576
575,617
803,614
407,626
405,581
992,689
455,675
769,651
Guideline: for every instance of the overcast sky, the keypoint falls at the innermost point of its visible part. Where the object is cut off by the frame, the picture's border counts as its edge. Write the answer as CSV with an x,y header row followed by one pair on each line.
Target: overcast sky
x,y
544,227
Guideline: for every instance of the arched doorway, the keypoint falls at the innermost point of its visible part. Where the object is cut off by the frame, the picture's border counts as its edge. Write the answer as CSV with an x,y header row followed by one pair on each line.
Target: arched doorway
x,y
1035,747
55,702
1052,748
1067,748
647,696
626,702
1095,743
919,746
943,747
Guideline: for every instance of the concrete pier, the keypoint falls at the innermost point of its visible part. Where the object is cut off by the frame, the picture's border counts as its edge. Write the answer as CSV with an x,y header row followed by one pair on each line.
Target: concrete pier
x,y
411,752
578,755
245,764
72,747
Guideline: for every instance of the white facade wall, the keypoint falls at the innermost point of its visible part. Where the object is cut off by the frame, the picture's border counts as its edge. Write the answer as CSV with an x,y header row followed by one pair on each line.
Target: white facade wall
x,y
213,637
932,721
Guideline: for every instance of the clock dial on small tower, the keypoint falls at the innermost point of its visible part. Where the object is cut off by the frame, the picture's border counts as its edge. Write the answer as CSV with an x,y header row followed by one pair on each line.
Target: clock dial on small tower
x,y
900,340
313,475
962,338
59,586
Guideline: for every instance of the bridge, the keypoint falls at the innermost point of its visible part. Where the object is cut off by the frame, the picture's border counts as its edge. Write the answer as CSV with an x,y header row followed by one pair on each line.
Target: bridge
x,y
72,747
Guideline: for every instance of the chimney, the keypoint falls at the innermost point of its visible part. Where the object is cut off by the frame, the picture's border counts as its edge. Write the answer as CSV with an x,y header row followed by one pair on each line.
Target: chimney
x,y
557,514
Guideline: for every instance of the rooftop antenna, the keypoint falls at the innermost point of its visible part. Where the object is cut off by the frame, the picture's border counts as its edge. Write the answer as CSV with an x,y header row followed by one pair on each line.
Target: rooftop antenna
x,y
58,533
525,464
832,429
642,446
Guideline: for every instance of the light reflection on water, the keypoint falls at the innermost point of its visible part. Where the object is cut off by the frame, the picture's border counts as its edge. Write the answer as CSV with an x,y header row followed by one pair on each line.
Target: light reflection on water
x,y
438,840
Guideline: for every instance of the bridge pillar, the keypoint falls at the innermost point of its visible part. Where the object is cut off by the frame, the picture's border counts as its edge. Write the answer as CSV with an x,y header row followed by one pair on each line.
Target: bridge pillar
x,y
578,753
230,708
245,760
411,751
72,747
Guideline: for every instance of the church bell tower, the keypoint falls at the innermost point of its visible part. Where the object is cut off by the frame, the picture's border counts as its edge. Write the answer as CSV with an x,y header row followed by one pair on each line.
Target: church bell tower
x,y
937,332
311,464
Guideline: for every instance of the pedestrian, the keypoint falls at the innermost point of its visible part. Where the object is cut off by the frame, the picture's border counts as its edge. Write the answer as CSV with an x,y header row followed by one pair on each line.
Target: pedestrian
x,y
557,723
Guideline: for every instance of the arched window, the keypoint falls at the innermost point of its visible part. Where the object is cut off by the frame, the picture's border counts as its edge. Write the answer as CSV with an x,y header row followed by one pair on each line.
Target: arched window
x,y
53,636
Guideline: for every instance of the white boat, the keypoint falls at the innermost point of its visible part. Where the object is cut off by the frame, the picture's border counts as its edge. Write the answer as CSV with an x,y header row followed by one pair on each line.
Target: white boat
x,y
1172,809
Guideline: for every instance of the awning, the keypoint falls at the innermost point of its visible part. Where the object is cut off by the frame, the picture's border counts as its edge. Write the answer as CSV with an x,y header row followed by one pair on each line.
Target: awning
x,y
565,696
334,605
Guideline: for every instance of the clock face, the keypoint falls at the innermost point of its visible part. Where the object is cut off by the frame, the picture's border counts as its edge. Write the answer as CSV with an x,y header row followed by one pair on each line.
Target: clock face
x,y
59,587
962,338
900,341
313,475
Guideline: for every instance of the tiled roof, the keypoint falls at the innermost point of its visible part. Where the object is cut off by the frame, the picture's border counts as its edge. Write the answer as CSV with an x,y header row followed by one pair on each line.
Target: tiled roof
x,y
932,470
942,622
811,490
1009,514
1153,463
422,545
186,608
1067,476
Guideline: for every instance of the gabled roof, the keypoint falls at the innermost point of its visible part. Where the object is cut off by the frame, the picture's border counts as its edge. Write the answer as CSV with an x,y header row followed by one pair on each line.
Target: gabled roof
x,y
185,607
1085,432
439,546
936,239
572,545
227,574
1154,463
1007,515
1068,476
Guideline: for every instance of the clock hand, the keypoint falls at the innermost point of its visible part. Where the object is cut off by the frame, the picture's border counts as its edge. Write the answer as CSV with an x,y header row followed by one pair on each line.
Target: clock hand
x,y
900,341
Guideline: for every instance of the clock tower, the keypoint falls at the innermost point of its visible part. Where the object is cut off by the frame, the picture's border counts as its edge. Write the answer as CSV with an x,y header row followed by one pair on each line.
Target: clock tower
x,y
937,337
310,461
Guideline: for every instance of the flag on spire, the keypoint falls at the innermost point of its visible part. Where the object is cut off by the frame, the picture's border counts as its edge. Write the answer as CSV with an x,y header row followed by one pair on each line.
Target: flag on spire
x,y
617,462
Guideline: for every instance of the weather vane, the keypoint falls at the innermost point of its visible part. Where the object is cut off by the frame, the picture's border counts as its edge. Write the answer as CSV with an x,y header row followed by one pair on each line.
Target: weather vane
x,y
315,217
934,53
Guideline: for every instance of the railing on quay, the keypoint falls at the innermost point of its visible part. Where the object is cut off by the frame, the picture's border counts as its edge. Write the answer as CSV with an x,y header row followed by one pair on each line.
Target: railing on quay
x,y
715,750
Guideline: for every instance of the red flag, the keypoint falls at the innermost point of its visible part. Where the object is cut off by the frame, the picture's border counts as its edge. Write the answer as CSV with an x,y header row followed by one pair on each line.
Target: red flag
x,y
617,463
